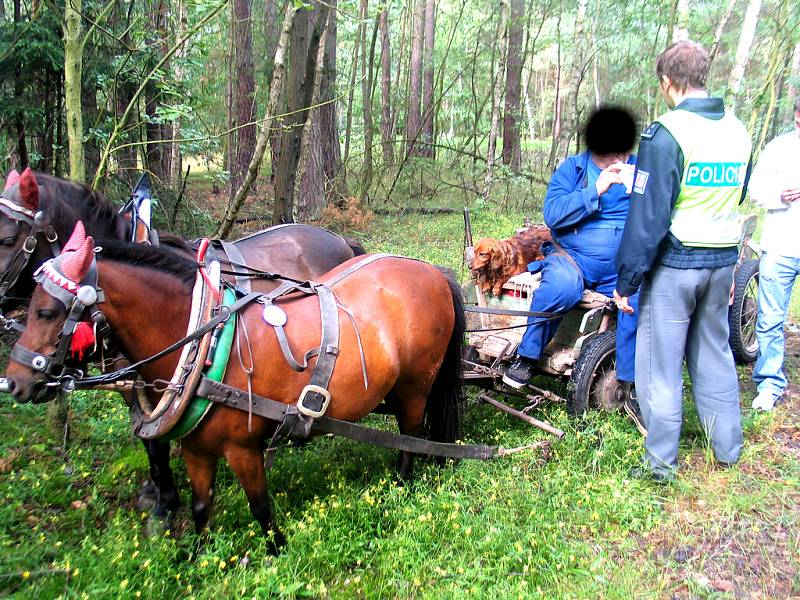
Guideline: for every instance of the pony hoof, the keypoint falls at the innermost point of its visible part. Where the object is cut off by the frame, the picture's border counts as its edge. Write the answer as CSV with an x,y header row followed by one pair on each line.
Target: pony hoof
x,y
275,542
147,497
157,525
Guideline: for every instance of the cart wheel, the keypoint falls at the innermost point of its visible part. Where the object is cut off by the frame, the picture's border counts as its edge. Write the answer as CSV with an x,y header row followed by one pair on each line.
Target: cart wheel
x,y
593,382
470,353
743,312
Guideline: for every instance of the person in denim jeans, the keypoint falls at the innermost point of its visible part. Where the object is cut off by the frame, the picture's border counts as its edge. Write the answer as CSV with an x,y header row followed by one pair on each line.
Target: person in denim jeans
x,y
775,186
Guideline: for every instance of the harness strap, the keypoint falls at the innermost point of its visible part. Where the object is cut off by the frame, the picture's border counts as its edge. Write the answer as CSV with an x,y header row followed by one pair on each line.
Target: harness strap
x,y
232,397
235,255
222,316
513,313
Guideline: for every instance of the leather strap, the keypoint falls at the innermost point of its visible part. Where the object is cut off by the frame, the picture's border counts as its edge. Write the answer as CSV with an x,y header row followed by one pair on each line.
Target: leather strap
x,y
234,255
226,395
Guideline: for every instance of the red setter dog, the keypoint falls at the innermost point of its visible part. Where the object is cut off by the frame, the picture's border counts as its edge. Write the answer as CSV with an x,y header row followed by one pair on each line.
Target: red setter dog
x,y
496,261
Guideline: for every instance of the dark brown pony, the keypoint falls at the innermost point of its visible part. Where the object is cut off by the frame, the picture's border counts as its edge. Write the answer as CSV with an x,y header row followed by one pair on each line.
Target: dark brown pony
x,y
296,250
409,316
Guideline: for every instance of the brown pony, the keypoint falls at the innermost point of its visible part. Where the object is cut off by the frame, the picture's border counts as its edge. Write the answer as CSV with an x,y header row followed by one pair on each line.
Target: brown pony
x,y
408,314
495,261
296,250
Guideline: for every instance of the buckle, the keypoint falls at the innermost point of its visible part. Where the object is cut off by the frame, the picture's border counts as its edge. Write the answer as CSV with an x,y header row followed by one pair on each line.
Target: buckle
x,y
309,412
29,245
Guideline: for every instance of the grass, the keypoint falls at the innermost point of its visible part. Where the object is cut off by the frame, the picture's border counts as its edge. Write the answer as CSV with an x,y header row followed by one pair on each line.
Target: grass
x,y
565,522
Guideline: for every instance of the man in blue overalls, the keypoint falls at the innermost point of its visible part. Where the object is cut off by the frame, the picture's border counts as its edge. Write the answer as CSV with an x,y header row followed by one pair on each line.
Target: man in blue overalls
x,y
585,207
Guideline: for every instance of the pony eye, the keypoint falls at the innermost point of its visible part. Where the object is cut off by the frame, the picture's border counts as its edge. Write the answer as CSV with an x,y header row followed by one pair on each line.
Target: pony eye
x,y
9,241
46,314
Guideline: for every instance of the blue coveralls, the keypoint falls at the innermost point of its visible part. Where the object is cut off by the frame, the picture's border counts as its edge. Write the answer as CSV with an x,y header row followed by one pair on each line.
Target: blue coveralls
x,y
589,229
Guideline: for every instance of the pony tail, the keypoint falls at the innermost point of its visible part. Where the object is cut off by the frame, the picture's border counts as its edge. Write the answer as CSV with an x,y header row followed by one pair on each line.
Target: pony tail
x,y
444,407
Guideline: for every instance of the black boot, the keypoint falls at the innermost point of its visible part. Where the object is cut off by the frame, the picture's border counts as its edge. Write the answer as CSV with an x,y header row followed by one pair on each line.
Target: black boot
x,y
631,407
518,373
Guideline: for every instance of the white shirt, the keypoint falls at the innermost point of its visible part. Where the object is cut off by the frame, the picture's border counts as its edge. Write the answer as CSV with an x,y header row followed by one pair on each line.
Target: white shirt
x,y
778,169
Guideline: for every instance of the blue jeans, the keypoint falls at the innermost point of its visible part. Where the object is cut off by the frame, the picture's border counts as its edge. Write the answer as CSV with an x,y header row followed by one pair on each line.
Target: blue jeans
x,y
775,281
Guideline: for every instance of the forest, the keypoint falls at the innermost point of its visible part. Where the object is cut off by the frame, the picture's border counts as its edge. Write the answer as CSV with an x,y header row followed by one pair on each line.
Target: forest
x,y
288,108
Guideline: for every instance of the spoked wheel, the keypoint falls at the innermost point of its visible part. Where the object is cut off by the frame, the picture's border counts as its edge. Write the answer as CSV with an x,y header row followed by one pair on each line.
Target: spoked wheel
x,y
743,312
593,383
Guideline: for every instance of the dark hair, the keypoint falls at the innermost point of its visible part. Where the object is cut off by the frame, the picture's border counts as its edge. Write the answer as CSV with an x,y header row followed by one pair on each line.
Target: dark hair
x,y
686,64
610,130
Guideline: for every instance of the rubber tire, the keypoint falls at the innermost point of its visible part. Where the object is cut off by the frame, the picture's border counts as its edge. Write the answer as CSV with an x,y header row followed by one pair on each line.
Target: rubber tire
x,y
746,272
592,355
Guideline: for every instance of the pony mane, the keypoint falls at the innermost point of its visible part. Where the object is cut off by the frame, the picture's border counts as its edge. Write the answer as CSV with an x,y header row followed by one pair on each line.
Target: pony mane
x,y
149,257
62,199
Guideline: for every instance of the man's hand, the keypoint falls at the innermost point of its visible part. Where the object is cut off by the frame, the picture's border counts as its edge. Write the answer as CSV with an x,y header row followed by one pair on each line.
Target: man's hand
x,y
787,196
608,177
622,303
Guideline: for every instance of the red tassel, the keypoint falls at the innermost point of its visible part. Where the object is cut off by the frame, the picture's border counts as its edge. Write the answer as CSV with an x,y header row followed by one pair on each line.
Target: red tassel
x,y
82,340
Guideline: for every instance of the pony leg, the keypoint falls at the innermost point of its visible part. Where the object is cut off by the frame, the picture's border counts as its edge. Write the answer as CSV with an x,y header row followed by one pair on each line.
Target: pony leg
x,y
202,470
409,410
248,465
167,499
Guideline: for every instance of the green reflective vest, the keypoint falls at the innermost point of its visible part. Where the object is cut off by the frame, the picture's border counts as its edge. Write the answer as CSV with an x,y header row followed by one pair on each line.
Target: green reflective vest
x,y
715,158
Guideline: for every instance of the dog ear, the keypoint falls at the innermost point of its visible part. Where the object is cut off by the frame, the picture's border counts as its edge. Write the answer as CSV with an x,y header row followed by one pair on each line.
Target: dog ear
x,y
496,252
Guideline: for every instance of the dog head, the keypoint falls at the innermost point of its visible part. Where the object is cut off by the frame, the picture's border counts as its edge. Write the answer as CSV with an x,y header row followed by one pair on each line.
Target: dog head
x,y
487,254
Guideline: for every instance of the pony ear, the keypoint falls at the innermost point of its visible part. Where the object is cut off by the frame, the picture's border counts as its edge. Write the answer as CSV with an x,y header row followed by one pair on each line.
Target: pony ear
x,y
29,190
77,263
11,179
76,239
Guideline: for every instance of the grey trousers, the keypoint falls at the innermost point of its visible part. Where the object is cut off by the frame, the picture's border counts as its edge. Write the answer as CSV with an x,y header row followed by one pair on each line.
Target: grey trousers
x,y
684,312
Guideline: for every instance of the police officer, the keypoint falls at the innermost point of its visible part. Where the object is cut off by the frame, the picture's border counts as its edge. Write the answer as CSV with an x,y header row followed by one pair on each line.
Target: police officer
x,y
680,246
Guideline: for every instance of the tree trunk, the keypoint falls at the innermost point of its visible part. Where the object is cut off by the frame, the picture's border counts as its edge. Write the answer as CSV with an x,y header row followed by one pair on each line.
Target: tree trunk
x,y
271,34
681,31
73,68
309,188
348,130
175,161
502,36
367,82
569,116
746,38
794,87
275,93
306,34
512,115
413,122
428,105
720,30
156,152
243,102
386,90
335,185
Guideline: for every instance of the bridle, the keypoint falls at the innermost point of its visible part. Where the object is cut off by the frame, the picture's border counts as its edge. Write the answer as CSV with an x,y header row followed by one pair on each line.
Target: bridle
x,y
76,298
39,224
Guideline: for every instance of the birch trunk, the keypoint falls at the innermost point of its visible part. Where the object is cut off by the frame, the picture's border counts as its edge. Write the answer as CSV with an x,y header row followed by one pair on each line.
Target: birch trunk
x,y
746,38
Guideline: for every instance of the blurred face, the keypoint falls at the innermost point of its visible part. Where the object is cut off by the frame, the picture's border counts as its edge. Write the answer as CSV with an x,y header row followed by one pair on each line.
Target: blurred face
x,y
606,160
